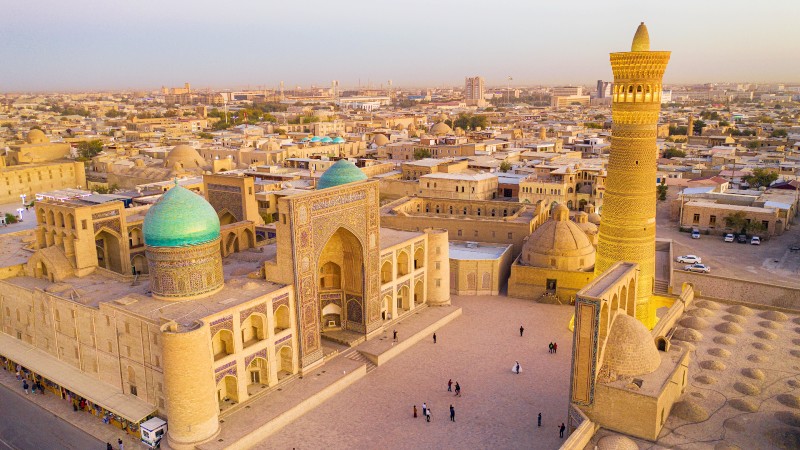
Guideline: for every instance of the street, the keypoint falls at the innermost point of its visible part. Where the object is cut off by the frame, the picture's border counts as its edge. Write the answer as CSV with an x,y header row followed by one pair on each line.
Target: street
x,y
24,426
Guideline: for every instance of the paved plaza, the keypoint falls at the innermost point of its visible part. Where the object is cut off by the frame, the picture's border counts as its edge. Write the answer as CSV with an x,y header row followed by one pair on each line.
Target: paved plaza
x,y
497,408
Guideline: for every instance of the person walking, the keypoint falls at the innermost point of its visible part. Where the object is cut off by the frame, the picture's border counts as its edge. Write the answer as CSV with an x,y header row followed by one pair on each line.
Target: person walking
x,y
539,420
555,347
450,385
394,335
521,330
516,368
561,430
415,411
109,446
452,414
424,409
119,443
428,415
458,389
434,338
25,386
550,348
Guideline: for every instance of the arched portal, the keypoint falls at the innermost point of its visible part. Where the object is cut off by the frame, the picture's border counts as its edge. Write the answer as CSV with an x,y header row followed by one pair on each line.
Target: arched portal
x,y
139,264
227,390
419,258
222,344
402,264
341,271
419,293
284,362
232,244
386,307
226,219
386,272
257,373
253,329
403,300
108,251
281,319
603,321
631,299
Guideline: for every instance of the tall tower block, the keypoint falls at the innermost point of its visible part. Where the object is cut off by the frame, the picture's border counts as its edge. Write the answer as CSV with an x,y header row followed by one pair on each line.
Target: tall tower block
x,y
628,219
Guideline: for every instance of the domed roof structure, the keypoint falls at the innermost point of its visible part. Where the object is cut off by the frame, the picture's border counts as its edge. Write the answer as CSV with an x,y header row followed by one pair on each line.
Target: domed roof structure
x,y
341,172
630,350
641,40
316,139
36,136
582,220
559,244
338,140
593,216
326,140
441,129
180,218
186,155
380,139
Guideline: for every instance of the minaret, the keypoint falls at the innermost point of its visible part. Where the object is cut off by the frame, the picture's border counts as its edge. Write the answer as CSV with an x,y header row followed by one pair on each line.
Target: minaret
x,y
690,127
628,219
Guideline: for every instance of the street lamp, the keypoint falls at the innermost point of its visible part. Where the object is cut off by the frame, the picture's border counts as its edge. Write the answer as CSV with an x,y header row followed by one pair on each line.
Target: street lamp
x,y
22,197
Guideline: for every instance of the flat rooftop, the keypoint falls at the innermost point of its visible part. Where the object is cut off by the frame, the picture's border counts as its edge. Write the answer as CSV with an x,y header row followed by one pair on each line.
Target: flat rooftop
x,y
474,251
391,237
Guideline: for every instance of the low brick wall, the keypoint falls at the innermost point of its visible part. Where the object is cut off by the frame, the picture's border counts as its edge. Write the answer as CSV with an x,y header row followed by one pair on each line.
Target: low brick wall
x,y
738,290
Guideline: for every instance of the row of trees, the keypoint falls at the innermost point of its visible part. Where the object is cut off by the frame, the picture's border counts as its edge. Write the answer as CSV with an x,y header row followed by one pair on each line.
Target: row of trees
x,y
468,122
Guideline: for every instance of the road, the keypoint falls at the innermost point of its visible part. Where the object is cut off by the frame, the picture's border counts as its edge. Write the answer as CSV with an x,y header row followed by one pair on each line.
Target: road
x,y
24,426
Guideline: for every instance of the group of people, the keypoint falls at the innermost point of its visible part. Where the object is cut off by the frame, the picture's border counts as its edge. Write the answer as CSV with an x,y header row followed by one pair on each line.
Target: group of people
x,y
426,410
553,347
119,444
35,384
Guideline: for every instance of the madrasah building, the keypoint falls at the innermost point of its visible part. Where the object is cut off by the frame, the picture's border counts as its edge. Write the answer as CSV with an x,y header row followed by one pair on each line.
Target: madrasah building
x,y
137,312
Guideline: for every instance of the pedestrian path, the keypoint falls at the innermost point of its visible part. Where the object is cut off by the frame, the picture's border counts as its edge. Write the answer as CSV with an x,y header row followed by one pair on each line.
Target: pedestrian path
x,y
62,410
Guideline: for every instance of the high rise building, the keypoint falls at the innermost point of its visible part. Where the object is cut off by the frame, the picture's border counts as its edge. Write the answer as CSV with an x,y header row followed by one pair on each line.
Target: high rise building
x,y
473,91
628,225
603,89
564,91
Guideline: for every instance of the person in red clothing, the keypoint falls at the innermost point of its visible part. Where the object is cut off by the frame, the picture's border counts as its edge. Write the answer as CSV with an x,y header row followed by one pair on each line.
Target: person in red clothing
x,y
555,347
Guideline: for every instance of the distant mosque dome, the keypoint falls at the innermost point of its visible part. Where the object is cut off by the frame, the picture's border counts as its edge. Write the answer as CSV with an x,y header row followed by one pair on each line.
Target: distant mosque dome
x,y
326,140
380,139
186,155
560,244
338,140
180,218
316,139
341,172
36,136
441,129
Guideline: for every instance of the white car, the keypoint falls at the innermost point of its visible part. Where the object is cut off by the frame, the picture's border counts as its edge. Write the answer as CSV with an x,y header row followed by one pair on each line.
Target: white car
x,y
755,241
702,268
729,237
689,259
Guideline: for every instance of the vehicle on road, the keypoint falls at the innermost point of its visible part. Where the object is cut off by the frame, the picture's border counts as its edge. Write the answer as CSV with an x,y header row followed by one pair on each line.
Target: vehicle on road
x,y
695,234
729,237
701,268
742,239
689,259
755,240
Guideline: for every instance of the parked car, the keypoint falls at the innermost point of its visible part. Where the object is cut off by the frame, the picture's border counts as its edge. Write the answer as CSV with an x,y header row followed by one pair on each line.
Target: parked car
x,y
695,234
689,259
729,237
755,240
742,239
702,268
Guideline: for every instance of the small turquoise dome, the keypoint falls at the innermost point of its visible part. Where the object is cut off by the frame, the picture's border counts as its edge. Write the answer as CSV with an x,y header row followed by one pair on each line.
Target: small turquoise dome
x,y
316,139
180,218
304,139
338,140
342,172
326,139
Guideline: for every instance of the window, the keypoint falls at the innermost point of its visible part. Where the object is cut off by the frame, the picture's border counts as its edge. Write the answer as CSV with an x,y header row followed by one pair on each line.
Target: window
x,y
459,232
438,282
696,219
133,390
438,265
110,347
712,221
83,224
510,236
476,233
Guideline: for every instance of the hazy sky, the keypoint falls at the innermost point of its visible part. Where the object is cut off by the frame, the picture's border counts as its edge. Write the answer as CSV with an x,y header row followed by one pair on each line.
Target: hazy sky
x,y
116,44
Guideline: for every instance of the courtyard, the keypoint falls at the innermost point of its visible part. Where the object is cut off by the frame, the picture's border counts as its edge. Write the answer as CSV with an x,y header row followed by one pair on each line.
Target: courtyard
x,y
497,408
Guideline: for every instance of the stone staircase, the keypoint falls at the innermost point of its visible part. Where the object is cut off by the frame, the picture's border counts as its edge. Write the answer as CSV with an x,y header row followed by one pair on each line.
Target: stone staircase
x,y
661,287
355,355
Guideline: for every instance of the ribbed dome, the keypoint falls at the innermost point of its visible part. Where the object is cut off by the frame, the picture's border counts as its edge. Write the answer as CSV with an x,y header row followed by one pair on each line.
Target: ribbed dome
x,y
440,129
36,136
630,350
641,40
180,218
186,155
380,139
338,140
560,244
342,172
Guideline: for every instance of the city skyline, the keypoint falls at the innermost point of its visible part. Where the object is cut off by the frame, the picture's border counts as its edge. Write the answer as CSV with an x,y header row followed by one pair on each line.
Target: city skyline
x,y
91,46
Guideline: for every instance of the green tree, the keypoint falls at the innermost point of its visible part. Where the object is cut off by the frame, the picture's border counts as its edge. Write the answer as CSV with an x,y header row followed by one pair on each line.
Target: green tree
x,y
422,153
779,133
90,149
661,190
677,131
107,190
674,153
204,135
736,221
113,113
698,127
505,166
10,218
760,178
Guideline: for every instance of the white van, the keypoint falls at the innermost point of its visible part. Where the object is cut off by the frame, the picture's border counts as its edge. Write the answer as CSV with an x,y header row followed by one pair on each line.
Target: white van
x,y
153,430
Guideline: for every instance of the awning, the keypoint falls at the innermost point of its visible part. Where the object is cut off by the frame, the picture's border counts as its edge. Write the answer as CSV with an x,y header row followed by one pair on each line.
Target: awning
x,y
129,407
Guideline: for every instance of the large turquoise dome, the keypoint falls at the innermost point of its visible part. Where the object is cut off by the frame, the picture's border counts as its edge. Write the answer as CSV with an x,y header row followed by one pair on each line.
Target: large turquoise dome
x,y
341,172
180,218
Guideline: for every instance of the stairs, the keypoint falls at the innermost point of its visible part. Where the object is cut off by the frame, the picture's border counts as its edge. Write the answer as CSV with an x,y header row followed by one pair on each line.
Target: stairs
x,y
661,287
355,355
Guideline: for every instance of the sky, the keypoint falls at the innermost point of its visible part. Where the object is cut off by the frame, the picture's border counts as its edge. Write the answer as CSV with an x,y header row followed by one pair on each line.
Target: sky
x,y
56,45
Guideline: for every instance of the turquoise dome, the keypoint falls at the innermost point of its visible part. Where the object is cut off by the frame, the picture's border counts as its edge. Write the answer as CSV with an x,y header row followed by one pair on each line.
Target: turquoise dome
x,y
342,172
316,139
338,140
180,218
326,139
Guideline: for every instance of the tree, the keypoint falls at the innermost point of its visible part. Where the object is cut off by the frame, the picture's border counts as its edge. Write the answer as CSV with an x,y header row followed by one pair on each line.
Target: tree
x,y
422,153
10,218
760,178
674,153
736,221
90,149
661,190
698,127
677,131
204,135
779,133
505,166
112,113
107,190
